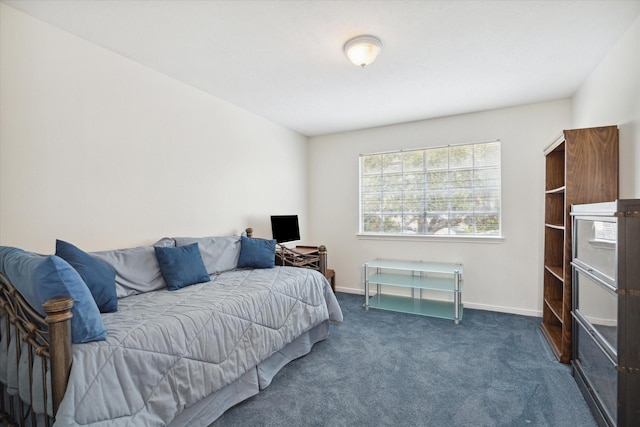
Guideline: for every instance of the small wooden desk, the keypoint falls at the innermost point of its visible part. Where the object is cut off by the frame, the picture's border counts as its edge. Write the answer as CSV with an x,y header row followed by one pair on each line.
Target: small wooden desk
x,y
307,250
314,257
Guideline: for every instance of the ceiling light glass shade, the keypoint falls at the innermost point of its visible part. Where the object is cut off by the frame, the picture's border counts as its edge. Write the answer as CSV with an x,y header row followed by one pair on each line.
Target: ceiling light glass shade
x,y
363,50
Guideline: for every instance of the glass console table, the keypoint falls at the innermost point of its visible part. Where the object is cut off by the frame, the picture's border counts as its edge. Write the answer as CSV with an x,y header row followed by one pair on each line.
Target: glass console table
x,y
419,276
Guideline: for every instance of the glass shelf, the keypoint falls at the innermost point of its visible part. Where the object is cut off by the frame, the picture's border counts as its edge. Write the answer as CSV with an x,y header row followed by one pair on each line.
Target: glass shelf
x,y
424,307
425,267
445,284
419,276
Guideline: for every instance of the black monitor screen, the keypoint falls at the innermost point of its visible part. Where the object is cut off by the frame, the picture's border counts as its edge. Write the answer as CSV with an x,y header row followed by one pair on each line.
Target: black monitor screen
x,y
285,228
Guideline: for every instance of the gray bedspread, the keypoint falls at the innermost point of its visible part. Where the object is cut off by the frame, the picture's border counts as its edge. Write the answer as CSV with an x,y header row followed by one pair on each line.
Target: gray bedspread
x,y
167,350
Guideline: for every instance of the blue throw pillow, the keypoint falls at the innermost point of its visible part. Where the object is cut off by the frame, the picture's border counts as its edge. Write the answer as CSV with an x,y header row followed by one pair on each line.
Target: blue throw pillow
x,y
39,278
181,266
257,253
219,254
99,276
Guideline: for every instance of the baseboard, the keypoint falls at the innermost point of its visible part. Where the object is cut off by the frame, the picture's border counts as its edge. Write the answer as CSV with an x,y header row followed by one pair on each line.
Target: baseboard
x,y
467,304
501,309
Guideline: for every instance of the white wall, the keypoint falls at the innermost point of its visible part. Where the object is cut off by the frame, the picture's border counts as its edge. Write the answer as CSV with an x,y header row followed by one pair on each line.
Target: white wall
x,y
503,276
103,152
611,96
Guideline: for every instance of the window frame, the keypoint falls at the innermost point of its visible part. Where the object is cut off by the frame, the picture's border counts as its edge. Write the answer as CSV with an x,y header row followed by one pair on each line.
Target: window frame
x,y
449,191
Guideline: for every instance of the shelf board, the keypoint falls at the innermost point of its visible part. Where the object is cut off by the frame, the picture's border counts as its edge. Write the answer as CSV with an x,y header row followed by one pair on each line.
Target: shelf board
x,y
427,267
445,284
555,305
556,190
556,270
424,307
555,226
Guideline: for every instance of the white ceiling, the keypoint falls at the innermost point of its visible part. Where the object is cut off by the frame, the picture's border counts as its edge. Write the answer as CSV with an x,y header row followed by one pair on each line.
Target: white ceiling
x,y
283,60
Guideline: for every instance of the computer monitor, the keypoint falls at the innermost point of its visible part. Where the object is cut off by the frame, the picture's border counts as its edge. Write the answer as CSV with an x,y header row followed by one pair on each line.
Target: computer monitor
x,y
285,228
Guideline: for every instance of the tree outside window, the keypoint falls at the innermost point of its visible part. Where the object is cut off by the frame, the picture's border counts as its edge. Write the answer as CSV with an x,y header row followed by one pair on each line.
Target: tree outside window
x,y
453,190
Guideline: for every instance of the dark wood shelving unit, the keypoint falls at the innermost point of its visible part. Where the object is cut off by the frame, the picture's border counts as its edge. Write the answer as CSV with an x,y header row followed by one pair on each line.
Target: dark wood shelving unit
x,y
606,310
581,167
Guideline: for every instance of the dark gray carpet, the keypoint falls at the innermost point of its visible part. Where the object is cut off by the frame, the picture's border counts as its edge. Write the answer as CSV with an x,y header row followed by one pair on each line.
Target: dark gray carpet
x,y
381,368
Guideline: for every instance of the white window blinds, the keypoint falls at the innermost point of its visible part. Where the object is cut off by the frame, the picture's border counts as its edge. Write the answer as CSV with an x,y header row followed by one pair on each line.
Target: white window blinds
x,y
452,190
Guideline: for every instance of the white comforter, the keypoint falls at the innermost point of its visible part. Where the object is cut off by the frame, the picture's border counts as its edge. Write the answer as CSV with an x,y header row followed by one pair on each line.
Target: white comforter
x,y
167,350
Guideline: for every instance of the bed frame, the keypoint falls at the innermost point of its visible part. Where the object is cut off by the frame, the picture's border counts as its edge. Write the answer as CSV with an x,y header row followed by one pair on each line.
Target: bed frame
x,y
49,338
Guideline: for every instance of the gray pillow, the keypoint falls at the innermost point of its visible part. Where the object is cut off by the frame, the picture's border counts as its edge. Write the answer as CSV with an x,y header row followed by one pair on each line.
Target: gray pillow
x,y
165,242
218,253
137,270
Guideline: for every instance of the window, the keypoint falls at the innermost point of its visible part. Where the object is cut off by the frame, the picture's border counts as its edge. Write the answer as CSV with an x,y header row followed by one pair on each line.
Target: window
x,y
452,190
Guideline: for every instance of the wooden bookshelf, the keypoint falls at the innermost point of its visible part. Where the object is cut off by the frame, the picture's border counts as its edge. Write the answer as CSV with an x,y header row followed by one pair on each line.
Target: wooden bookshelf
x,y
581,166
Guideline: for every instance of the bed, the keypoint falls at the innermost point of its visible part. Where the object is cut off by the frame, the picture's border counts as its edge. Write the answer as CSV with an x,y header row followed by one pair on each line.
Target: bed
x,y
170,358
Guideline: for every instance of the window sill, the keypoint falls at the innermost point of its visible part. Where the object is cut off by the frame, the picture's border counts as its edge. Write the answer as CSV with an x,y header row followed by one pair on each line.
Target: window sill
x,y
432,238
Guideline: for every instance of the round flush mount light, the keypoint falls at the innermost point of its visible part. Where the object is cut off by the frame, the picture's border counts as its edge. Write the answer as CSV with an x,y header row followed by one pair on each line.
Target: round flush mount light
x,y
363,50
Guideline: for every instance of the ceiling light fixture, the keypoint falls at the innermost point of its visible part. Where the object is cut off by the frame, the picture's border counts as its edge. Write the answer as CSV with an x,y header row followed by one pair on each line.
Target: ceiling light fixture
x,y
363,50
